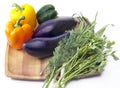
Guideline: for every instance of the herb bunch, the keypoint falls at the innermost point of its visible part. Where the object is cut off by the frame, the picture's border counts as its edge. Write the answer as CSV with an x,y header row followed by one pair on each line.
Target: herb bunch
x,y
81,54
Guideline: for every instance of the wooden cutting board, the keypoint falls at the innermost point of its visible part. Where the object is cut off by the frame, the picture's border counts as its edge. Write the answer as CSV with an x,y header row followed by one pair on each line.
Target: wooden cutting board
x,y
20,65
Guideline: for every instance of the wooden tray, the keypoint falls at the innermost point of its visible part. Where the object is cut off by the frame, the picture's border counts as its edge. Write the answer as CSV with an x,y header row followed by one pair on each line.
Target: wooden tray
x,y
20,65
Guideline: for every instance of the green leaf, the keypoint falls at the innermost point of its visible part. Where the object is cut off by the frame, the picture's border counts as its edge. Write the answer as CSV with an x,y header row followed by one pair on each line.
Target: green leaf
x,y
95,18
100,32
114,56
110,43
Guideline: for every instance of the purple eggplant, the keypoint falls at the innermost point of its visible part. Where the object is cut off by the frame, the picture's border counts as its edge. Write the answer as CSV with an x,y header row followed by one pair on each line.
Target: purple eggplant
x,y
55,27
43,46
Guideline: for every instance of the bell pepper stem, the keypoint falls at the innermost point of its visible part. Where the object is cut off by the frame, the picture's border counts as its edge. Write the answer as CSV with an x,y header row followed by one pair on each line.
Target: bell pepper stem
x,y
17,6
18,24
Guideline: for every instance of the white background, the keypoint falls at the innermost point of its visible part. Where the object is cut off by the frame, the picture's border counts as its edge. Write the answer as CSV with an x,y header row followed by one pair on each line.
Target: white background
x,y
108,13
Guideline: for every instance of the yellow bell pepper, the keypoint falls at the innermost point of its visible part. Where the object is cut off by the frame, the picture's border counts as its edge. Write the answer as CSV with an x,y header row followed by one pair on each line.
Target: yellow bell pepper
x,y
18,32
24,10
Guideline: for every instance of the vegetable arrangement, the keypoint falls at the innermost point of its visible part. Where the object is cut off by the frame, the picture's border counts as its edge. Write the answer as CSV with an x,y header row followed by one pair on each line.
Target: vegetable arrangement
x,y
50,27
77,51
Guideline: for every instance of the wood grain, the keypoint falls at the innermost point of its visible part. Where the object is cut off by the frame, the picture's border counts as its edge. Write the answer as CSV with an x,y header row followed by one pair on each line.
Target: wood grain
x,y
20,65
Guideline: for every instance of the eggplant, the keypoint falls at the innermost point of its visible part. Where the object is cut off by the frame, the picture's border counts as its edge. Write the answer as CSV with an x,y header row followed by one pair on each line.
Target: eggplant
x,y
43,47
55,27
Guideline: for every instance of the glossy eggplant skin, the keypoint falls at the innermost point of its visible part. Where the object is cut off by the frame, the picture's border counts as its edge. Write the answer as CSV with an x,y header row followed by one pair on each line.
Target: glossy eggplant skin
x,y
43,47
55,27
